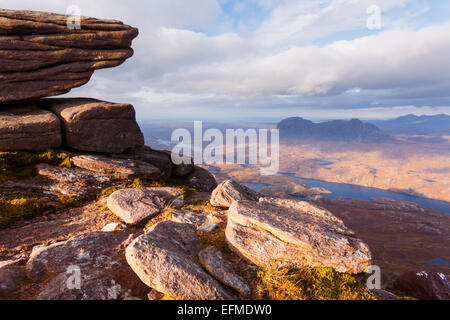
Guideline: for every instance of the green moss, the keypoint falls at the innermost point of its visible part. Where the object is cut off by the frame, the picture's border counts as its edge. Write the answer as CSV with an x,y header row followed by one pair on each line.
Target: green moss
x,y
69,202
17,208
23,164
310,284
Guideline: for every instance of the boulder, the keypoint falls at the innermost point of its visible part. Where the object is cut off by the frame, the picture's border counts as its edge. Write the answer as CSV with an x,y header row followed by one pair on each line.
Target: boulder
x,y
165,260
120,168
424,285
213,260
96,126
114,227
200,179
136,206
229,191
294,234
157,158
25,127
42,57
96,258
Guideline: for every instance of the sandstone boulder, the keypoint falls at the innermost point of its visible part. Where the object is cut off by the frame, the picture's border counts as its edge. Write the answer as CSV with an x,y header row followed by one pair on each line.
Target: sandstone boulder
x,y
213,260
96,126
40,56
25,127
294,234
97,258
200,179
157,158
137,206
196,219
164,259
120,168
229,191
424,285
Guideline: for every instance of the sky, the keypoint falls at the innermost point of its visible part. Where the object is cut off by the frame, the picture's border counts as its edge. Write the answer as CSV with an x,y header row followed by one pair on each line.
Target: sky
x,y
264,60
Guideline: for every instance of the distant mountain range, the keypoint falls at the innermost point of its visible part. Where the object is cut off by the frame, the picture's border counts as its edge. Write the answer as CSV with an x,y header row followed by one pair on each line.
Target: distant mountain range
x,y
411,124
338,130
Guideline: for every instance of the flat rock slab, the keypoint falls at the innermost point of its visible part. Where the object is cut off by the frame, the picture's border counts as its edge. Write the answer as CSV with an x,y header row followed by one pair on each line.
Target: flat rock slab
x,y
96,126
25,127
121,168
97,258
164,259
42,57
213,260
12,277
73,181
137,206
294,234
229,191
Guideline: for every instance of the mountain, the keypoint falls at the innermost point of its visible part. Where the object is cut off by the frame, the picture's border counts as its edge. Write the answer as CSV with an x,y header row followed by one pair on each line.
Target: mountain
x,y
412,124
353,130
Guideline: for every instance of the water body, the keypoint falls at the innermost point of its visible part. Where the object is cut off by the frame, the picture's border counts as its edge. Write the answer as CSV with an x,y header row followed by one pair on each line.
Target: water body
x,y
439,262
363,193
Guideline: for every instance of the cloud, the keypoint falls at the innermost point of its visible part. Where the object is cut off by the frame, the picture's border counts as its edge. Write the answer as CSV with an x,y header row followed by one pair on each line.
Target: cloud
x,y
234,57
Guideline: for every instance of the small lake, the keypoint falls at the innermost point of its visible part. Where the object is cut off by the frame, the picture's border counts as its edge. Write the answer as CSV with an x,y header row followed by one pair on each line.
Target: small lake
x,y
362,193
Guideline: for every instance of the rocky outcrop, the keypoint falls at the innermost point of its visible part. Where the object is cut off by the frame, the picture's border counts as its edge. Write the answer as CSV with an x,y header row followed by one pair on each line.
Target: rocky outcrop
x,y
294,234
424,285
121,168
158,158
42,57
164,259
220,268
97,258
229,191
25,127
137,206
97,126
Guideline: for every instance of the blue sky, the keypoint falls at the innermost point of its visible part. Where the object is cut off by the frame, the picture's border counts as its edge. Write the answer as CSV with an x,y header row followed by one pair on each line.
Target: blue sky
x,y
254,59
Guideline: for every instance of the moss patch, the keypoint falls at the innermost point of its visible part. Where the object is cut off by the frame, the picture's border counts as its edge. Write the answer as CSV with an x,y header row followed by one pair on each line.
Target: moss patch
x,y
23,164
17,208
310,284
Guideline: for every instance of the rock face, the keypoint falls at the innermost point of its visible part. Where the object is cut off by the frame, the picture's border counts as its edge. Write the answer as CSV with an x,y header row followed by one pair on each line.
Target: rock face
x,y
294,234
121,168
42,57
164,259
217,265
97,258
229,191
158,158
97,126
25,127
424,285
137,206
